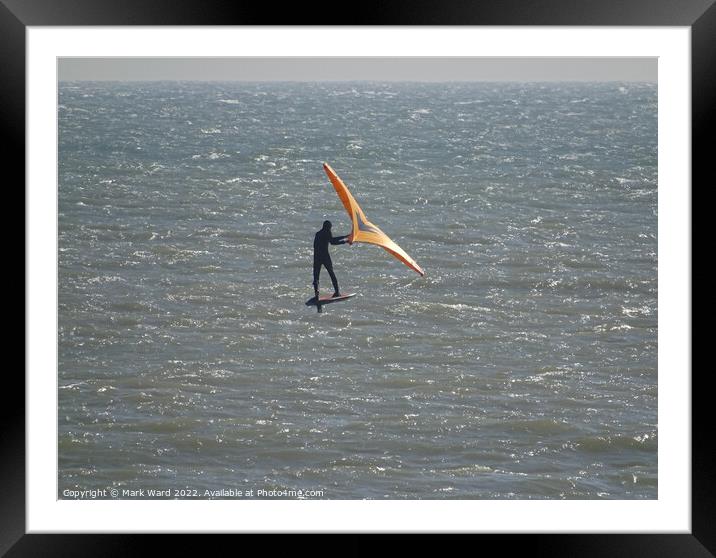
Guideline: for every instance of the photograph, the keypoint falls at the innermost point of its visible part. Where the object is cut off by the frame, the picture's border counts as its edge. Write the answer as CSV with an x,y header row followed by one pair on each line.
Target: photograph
x,y
357,278
423,271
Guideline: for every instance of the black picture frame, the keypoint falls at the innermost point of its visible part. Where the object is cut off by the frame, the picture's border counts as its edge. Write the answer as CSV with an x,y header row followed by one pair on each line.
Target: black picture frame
x,y
17,15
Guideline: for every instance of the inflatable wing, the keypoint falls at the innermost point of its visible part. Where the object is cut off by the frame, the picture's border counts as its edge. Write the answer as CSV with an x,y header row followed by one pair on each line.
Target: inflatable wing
x,y
363,230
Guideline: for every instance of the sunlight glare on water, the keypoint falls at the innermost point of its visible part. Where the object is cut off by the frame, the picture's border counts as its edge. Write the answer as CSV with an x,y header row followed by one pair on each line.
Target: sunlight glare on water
x,y
523,365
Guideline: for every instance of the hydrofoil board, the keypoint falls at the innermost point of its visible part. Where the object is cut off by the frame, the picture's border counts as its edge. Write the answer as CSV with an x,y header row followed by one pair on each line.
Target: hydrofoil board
x,y
328,299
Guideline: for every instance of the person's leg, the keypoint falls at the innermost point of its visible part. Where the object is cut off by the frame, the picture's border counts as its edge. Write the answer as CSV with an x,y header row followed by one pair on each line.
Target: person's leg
x,y
329,267
316,275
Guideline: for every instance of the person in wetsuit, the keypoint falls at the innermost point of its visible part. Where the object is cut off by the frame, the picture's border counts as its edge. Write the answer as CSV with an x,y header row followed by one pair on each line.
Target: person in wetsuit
x,y
321,257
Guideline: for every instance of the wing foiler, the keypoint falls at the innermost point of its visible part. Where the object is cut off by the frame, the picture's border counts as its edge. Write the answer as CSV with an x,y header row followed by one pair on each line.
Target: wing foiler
x,y
363,230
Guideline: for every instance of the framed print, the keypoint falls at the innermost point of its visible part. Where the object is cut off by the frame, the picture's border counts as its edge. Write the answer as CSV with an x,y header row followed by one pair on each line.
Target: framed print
x,y
517,357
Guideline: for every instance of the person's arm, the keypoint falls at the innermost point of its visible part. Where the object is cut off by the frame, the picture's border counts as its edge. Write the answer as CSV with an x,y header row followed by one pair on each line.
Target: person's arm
x,y
338,239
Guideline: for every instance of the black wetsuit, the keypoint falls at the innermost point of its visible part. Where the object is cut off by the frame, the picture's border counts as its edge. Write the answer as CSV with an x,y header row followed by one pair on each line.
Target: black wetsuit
x,y
321,257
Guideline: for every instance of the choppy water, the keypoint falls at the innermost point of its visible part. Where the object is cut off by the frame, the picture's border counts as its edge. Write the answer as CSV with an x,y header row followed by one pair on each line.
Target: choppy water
x,y
523,365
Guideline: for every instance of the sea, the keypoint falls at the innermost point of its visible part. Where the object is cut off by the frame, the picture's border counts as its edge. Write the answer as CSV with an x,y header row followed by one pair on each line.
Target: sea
x,y
522,366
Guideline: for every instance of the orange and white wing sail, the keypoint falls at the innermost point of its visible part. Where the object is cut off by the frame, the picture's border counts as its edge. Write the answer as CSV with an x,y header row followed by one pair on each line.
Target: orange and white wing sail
x,y
363,230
